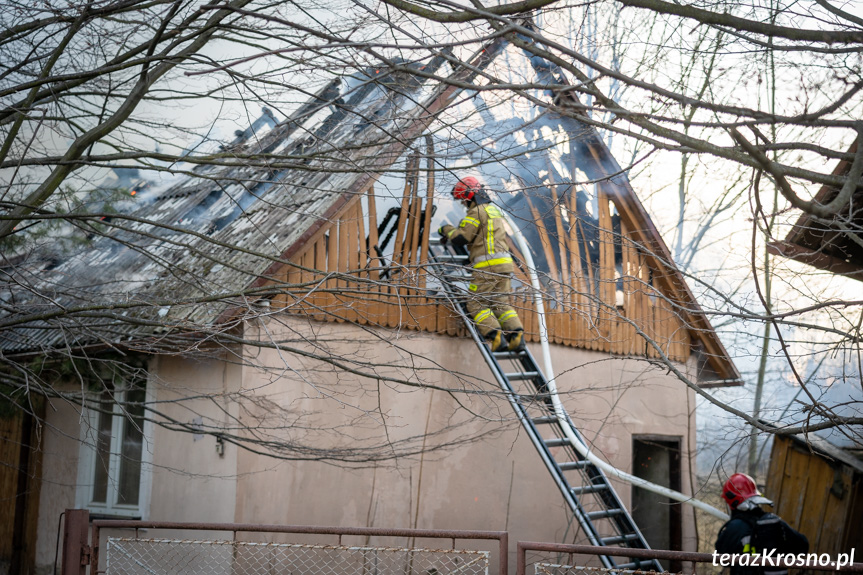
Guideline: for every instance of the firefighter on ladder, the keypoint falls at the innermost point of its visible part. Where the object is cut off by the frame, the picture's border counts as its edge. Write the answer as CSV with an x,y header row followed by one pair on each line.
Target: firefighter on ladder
x,y
482,230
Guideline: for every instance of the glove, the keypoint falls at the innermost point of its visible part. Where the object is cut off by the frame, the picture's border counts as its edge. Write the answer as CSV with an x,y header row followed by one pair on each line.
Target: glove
x,y
444,231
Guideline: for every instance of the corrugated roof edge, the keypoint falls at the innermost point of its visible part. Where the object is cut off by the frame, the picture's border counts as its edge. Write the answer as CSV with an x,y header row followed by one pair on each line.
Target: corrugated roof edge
x,y
823,447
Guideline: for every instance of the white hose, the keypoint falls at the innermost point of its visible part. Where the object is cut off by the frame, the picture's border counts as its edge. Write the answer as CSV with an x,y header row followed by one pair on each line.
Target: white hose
x,y
560,412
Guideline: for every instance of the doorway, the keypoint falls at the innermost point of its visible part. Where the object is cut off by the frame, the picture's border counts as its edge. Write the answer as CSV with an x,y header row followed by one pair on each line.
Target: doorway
x,y
657,459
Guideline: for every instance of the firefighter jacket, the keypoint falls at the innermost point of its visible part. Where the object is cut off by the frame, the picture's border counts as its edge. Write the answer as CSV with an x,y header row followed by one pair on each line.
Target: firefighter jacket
x,y
754,532
482,230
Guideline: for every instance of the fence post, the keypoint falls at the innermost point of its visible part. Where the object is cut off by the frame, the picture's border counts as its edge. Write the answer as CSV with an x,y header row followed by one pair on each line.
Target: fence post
x,y
76,552
503,549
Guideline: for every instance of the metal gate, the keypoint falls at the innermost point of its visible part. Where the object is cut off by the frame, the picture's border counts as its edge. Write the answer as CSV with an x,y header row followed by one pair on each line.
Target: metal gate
x,y
132,556
120,547
537,558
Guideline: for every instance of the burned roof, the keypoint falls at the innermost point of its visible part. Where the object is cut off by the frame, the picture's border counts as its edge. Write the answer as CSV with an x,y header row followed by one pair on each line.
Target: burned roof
x,y
183,256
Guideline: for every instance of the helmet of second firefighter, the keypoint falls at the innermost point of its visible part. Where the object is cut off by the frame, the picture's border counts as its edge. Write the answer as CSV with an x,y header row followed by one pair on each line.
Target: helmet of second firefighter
x,y
738,489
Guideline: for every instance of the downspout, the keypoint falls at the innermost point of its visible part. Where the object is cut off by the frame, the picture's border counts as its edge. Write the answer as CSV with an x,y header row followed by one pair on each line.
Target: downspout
x,y
560,412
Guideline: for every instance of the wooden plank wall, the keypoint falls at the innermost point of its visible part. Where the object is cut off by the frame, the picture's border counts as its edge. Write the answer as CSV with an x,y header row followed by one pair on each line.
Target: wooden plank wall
x,y
12,433
10,448
814,496
589,310
336,278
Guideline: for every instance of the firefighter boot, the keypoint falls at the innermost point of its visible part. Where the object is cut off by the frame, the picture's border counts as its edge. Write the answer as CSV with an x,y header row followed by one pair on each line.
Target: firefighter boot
x,y
496,341
516,340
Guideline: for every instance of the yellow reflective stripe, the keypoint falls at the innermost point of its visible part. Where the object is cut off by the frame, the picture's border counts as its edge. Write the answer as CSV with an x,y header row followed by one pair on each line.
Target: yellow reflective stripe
x,y
749,549
482,315
489,236
450,233
490,257
507,315
471,287
467,221
494,262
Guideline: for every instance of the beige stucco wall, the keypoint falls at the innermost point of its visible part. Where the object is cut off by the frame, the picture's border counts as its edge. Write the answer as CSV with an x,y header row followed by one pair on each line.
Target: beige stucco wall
x,y
489,478
497,482
189,479
59,474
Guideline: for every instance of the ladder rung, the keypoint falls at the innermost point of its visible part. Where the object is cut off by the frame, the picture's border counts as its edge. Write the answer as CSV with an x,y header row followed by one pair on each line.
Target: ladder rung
x,y
574,465
521,375
507,354
544,419
557,441
605,513
619,539
451,258
588,489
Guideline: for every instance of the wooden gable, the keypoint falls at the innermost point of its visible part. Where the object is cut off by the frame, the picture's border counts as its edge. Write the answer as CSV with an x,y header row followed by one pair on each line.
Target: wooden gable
x,y
619,293
620,304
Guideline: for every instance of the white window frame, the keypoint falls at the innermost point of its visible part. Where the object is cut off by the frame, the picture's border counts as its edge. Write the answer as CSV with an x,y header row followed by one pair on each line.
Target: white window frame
x,y
88,454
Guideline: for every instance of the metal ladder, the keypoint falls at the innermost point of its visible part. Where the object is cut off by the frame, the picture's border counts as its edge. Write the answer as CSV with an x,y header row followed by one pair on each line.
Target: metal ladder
x,y
585,488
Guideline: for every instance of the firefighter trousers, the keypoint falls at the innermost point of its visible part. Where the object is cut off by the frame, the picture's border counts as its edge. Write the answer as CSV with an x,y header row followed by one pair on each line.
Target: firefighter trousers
x,y
488,302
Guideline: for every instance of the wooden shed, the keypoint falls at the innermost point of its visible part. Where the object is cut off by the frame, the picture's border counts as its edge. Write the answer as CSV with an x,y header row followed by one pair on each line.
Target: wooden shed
x,y
817,488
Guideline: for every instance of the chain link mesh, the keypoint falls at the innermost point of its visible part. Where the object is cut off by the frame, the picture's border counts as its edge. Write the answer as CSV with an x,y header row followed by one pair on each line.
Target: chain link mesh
x,y
183,557
557,569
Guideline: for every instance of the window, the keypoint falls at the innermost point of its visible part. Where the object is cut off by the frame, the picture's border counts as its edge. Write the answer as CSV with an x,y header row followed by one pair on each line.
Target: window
x,y
113,475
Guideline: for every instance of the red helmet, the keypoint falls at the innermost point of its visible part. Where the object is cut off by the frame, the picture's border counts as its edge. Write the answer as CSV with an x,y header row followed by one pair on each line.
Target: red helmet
x,y
465,188
738,489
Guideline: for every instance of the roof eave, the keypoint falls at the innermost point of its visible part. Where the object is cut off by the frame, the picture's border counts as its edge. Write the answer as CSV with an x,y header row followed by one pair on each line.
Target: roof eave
x,y
815,258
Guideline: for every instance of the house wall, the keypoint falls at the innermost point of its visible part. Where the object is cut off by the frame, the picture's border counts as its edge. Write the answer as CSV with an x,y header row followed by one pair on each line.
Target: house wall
x,y
489,477
59,473
493,482
189,479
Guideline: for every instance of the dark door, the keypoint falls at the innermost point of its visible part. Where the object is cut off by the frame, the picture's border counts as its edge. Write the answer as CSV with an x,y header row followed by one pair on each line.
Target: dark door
x,y
657,459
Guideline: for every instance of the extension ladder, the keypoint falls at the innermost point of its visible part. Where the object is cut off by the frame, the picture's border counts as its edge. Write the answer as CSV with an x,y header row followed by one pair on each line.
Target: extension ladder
x,y
585,488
